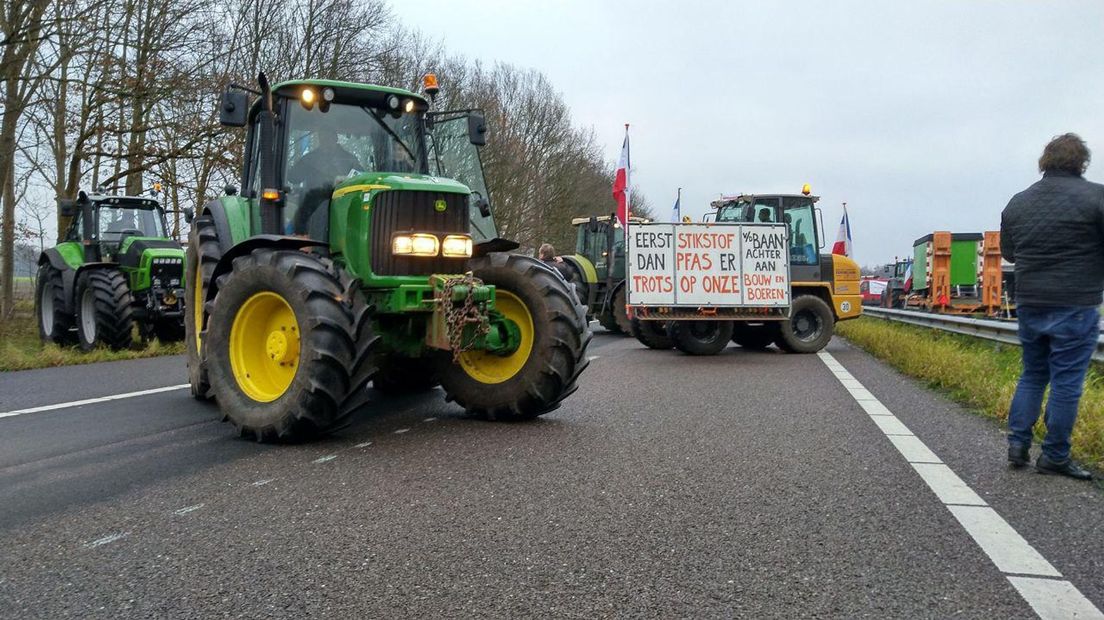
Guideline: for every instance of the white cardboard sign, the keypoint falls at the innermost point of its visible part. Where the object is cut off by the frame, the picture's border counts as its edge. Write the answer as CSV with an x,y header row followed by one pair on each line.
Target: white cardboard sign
x,y
715,265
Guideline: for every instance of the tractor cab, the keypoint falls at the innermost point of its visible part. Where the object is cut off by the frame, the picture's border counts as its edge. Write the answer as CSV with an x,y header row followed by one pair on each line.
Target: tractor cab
x,y
325,140
107,225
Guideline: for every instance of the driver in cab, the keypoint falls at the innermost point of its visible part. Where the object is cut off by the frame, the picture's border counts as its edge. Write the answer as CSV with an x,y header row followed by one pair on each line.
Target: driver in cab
x,y
319,171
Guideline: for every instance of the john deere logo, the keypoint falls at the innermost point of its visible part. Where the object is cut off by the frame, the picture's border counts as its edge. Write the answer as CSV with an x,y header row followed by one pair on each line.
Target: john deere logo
x,y
440,206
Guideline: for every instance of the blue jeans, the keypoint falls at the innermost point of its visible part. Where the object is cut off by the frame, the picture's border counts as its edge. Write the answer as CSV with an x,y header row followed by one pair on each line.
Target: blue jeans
x,y
1058,343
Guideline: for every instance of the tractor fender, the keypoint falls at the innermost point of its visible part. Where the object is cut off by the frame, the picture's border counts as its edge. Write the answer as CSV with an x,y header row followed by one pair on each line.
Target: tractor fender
x,y
611,292
586,279
279,242
68,275
217,211
53,257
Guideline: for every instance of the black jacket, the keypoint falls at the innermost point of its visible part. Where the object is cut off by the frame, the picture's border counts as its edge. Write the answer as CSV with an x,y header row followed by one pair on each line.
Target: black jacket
x,y
1054,232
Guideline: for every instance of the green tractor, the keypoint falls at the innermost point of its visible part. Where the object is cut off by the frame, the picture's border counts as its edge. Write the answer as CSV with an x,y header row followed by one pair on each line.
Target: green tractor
x,y
362,248
114,269
599,269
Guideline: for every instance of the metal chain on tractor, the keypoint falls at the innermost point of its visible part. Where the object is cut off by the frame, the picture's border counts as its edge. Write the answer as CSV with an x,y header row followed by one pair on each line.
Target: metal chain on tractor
x,y
459,316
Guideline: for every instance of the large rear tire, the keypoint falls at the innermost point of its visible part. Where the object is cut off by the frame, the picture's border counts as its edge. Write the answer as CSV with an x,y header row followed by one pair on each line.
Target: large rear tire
x,y
289,345
810,326
202,256
536,377
652,334
700,337
755,337
55,322
104,314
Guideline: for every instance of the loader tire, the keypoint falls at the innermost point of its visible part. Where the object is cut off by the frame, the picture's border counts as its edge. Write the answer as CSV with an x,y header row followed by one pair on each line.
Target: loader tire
x,y
700,337
652,334
290,346
202,256
536,377
104,314
809,328
55,321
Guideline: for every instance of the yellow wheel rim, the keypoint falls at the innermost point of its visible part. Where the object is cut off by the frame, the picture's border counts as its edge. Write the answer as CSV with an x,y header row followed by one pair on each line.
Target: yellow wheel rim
x,y
264,346
489,368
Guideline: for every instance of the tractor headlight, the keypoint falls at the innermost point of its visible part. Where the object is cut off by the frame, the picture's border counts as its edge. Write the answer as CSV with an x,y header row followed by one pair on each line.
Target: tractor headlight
x,y
417,244
457,246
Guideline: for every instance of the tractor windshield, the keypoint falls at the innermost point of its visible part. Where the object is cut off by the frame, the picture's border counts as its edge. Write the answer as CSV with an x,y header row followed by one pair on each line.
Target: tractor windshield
x,y
454,156
114,222
736,211
346,139
325,148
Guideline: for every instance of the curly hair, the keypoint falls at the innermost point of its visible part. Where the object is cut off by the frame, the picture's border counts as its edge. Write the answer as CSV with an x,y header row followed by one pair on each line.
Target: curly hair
x,y
1068,153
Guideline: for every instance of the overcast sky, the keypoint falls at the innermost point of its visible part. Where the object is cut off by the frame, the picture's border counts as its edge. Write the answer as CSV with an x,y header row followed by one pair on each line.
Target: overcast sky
x,y
920,115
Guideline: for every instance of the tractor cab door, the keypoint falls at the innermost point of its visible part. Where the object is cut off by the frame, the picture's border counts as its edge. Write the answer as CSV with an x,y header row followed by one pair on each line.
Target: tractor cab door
x,y
452,155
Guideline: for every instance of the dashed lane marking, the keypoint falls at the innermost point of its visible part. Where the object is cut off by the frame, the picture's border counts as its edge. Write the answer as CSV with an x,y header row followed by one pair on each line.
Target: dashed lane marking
x,y
402,430
325,459
430,420
92,401
363,444
591,358
105,540
261,483
1036,579
187,509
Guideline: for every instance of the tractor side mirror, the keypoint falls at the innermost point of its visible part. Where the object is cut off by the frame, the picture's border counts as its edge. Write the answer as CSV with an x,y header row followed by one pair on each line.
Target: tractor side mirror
x,y
233,108
67,207
477,129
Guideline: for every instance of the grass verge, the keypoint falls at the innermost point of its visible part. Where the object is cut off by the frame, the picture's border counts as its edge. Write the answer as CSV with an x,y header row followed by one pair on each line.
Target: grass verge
x,y
979,374
20,348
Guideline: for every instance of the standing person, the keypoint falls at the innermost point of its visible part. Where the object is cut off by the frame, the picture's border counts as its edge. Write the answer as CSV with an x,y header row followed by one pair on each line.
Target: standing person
x,y
1054,233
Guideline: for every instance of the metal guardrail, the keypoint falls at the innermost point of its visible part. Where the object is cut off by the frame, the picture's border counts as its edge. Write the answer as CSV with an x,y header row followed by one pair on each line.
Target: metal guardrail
x,y
998,331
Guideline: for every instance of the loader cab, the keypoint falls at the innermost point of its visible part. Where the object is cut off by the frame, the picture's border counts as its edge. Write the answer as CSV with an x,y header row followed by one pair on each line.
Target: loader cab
x,y
595,238
797,211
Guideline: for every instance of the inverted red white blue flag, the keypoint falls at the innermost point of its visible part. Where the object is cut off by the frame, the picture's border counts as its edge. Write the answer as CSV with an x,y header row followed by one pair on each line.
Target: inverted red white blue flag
x,y
843,239
621,189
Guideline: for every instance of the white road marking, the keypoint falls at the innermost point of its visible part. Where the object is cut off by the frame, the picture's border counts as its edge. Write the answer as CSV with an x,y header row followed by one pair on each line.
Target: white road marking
x,y
1009,552
947,486
261,483
890,425
91,401
593,357
105,540
401,431
1055,599
325,459
430,420
913,449
187,509
363,445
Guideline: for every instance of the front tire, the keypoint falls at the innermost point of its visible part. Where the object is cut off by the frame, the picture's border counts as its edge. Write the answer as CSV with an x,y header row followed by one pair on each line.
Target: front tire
x,y
535,378
55,324
810,326
289,344
652,334
701,337
104,312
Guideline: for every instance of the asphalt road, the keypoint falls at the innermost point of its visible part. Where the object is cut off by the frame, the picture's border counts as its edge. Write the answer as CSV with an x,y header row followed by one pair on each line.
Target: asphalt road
x,y
743,485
